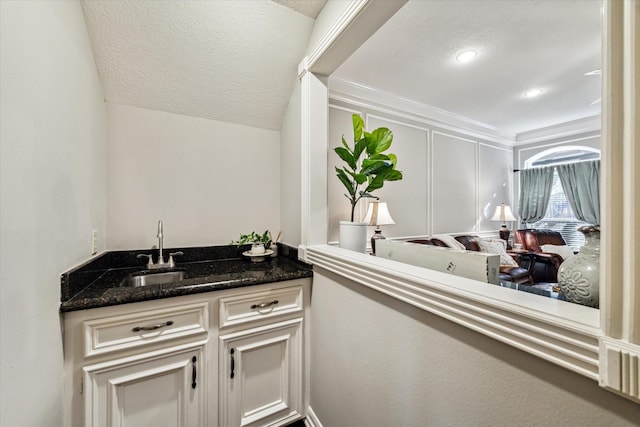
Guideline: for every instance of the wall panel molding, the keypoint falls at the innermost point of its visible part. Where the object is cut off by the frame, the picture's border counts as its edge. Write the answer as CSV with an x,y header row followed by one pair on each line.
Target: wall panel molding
x,y
455,169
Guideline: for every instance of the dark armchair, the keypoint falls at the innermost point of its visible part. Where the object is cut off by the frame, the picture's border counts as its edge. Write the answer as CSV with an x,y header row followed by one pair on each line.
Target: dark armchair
x,y
546,264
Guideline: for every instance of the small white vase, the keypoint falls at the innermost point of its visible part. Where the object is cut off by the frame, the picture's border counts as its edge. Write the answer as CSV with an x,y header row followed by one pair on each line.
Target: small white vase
x,y
353,235
579,275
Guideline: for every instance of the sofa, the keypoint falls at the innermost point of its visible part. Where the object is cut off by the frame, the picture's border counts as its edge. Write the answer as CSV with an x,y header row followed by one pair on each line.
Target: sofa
x,y
549,250
512,273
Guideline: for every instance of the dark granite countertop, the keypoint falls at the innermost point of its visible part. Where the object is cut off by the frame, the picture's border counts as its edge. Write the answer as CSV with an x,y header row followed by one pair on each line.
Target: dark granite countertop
x,y
96,283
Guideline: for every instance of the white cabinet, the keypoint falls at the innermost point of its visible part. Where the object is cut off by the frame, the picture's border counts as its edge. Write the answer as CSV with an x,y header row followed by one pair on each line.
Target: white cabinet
x,y
134,364
261,376
162,390
141,364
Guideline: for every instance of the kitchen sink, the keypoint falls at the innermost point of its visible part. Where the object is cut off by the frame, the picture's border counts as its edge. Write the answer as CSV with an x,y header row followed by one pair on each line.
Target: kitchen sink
x,y
145,278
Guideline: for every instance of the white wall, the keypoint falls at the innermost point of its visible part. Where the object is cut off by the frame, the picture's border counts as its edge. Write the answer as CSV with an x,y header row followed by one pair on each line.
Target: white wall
x,y
452,182
290,170
52,194
378,362
209,181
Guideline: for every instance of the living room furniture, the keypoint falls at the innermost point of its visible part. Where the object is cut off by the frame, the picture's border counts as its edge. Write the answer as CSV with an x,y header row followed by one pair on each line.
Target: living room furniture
x,y
516,274
377,214
545,267
480,266
503,214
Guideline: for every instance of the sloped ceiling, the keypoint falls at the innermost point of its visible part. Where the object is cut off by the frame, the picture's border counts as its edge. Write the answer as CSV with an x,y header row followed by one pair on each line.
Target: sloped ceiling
x,y
234,61
522,44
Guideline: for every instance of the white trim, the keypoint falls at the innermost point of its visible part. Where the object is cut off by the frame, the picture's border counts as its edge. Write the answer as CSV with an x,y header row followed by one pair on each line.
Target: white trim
x,y
620,201
398,122
429,162
314,135
476,166
508,150
537,156
560,332
348,110
364,96
341,24
574,127
312,419
620,367
519,151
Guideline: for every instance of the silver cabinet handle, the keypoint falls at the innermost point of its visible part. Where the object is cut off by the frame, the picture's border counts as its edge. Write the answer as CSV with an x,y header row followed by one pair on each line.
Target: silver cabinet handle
x,y
153,327
264,304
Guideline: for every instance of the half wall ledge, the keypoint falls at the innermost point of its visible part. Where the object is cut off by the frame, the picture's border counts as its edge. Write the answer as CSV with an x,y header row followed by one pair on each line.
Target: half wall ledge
x,y
557,331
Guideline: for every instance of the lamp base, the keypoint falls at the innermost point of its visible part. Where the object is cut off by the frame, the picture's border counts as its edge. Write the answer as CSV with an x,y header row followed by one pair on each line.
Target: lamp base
x,y
504,234
377,235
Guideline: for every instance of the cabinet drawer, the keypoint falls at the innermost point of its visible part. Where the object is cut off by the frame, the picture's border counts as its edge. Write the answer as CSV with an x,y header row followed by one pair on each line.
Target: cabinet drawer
x,y
260,305
141,328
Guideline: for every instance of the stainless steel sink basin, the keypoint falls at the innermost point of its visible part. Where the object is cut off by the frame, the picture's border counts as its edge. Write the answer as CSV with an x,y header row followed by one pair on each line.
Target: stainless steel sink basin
x,y
136,280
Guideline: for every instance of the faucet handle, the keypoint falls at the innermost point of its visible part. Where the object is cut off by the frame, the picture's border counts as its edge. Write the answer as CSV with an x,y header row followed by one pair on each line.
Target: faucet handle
x,y
172,263
150,262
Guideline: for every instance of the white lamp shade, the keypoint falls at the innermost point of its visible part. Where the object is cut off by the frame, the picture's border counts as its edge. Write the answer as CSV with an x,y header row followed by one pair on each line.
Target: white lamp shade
x,y
378,214
503,213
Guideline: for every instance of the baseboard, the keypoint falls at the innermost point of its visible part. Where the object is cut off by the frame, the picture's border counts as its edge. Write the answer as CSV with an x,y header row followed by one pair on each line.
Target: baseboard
x,y
312,419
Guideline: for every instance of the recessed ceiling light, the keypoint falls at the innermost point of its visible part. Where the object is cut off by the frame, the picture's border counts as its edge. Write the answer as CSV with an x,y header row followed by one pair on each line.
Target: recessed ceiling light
x,y
594,73
466,55
532,93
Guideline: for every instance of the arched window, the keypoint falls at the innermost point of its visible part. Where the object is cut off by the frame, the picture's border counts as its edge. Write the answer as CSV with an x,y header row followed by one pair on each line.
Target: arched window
x,y
559,216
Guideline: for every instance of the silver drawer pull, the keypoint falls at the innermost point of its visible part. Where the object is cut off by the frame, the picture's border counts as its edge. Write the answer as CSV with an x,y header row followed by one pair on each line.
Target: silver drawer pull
x,y
152,328
264,304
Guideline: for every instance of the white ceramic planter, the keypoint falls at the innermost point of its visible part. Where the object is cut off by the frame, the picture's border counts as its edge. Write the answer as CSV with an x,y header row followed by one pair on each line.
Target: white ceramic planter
x,y
353,235
257,249
579,275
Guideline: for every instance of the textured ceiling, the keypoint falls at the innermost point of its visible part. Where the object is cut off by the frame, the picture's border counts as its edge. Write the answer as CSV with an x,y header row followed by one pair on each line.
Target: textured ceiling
x,y
522,44
234,61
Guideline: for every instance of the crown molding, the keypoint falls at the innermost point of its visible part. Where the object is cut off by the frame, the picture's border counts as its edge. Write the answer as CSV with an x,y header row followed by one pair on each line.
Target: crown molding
x,y
573,127
368,97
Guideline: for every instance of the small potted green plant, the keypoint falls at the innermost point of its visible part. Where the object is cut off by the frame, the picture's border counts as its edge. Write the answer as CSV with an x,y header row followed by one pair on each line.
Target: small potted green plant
x,y
367,168
259,242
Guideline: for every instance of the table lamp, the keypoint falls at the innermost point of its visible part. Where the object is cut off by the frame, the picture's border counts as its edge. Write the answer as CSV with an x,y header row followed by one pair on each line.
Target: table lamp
x,y
503,214
377,214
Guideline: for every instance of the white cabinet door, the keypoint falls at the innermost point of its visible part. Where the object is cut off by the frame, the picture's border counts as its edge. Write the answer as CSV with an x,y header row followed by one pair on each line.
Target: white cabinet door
x,y
164,390
261,375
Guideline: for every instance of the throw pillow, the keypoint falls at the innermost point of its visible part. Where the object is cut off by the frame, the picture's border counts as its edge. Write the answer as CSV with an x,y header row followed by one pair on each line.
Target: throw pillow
x,y
450,241
563,250
497,247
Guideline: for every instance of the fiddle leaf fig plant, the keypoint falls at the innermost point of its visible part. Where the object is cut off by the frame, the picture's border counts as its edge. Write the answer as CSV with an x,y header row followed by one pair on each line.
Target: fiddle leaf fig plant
x,y
367,166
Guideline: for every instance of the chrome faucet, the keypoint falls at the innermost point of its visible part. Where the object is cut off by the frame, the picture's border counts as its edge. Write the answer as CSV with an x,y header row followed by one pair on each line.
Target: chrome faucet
x,y
160,238
161,264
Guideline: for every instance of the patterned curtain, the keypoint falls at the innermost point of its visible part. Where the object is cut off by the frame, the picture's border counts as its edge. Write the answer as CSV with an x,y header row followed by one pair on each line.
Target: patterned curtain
x,y
535,191
581,184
